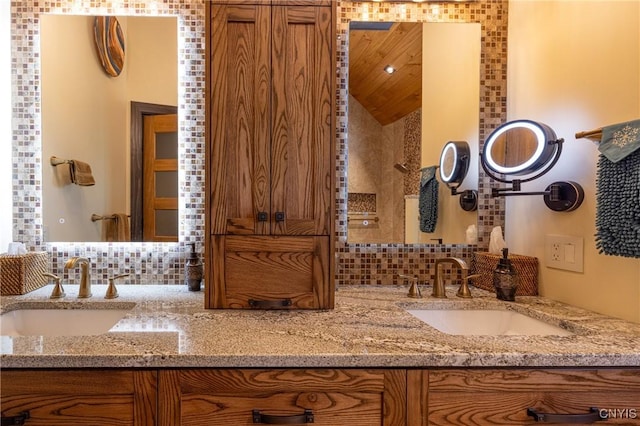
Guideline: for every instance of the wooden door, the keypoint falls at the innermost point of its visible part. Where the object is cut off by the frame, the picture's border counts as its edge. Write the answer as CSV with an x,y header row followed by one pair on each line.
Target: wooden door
x,y
80,397
354,397
240,81
160,177
301,120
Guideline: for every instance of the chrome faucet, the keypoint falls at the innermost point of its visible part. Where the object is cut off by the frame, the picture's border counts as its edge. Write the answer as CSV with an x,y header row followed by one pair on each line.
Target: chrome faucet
x,y
438,286
85,279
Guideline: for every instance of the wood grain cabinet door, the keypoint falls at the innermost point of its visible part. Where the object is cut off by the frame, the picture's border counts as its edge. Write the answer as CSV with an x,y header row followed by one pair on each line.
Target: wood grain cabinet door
x,y
80,397
328,397
301,117
270,119
505,397
239,119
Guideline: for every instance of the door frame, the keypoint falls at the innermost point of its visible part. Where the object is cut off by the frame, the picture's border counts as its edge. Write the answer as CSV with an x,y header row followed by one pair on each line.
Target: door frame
x,y
138,111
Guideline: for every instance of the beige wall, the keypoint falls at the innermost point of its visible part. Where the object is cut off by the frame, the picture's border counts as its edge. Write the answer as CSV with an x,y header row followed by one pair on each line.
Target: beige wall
x,y
85,114
574,65
450,105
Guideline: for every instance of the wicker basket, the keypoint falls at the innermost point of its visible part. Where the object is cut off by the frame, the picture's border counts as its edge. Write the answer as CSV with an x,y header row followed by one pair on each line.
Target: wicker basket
x,y
22,273
485,263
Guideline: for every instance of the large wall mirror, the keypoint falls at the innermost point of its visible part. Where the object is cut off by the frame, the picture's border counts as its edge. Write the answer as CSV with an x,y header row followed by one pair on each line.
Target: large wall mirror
x,y
179,59
370,259
89,115
409,94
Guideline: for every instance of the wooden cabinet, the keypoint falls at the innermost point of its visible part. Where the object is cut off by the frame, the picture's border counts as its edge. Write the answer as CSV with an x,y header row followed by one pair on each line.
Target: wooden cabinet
x,y
270,155
329,397
504,397
358,397
79,397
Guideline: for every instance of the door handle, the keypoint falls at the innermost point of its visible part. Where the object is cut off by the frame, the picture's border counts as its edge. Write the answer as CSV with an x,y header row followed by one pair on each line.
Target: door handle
x,y
592,416
306,417
263,216
279,216
16,420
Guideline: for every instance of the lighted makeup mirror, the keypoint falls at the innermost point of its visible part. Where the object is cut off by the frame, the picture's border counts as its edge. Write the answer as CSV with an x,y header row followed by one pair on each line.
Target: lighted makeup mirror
x,y
454,165
528,148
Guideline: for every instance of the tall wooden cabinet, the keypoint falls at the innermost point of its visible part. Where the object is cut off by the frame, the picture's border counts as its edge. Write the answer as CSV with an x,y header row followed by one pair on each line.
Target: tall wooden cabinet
x,y
270,197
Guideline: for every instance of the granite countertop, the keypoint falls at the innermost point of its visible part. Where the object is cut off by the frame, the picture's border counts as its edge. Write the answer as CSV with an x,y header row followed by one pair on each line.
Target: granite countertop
x,y
369,327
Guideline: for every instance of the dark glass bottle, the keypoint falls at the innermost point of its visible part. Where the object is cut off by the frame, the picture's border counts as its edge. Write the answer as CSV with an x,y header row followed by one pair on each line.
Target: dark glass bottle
x,y
193,271
505,278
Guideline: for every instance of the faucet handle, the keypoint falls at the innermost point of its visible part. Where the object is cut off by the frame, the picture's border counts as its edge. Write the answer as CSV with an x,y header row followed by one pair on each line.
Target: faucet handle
x,y
58,291
112,292
414,290
464,291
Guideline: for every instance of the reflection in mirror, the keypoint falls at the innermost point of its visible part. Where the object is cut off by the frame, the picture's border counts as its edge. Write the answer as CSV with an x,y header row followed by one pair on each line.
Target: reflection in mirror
x,y
86,116
531,148
520,147
399,123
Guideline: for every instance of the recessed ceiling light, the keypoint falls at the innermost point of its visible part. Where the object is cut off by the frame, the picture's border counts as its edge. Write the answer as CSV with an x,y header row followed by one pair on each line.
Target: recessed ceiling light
x,y
389,69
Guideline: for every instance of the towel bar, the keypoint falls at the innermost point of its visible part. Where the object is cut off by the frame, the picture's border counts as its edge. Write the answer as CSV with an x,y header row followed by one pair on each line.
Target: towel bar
x,y
96,217
594,135
55,161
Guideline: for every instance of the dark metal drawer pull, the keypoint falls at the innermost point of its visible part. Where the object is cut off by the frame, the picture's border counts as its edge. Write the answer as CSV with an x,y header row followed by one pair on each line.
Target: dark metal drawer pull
x,y
307,417
15,420
263,216
279,216
270,304
593,416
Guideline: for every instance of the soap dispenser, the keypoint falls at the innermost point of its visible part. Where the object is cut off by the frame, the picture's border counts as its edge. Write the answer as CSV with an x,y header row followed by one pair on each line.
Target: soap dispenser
x,y
505,278
194,270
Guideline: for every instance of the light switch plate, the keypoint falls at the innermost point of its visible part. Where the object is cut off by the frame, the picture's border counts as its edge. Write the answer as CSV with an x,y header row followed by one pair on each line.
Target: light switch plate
x,y
564,252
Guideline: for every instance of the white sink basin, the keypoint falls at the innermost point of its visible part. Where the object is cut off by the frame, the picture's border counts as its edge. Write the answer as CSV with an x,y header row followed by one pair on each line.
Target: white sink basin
x,y
59,322
485,322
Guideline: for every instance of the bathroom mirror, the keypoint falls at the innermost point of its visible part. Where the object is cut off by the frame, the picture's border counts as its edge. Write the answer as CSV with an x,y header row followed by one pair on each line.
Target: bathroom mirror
x,y
399,122
454,163
453,168
147,262
87,116
530,149
520,147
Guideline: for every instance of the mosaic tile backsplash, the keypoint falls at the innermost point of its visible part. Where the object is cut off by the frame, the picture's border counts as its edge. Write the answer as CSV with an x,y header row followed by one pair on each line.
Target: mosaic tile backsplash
x,y
162,263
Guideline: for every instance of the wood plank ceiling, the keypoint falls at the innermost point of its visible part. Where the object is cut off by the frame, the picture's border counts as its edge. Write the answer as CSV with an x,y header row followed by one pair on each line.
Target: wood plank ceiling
x,y
388,97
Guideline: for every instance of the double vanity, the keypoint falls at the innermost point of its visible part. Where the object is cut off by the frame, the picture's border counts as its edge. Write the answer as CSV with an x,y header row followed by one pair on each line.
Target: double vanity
x,y
371,360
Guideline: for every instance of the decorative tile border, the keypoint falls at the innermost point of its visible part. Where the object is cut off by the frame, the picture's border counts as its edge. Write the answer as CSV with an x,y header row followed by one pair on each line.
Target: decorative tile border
x,y
381,263
148,263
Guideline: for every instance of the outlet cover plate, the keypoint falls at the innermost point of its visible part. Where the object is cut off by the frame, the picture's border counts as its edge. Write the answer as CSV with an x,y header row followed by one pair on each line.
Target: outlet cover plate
x,y
564,252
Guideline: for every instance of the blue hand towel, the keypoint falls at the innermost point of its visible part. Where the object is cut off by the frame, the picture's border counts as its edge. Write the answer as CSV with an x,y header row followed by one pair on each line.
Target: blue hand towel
x,y
618,206
620,140
428,199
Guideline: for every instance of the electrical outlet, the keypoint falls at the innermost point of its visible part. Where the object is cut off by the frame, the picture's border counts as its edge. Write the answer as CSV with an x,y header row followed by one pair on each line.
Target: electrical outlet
x,y
564,252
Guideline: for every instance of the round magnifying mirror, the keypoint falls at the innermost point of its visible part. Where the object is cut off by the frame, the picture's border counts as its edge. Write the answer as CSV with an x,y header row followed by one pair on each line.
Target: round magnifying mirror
x,y
454,162
519,147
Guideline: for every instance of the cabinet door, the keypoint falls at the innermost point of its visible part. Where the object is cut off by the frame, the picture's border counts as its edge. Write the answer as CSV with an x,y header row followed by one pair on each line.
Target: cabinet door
x,y
502,397
301,120
76,397
270,272
333,397
239,118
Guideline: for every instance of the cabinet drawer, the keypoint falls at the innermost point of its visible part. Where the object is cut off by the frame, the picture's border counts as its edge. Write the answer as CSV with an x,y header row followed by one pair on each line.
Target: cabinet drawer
x,y
502,397
76,397
270,272
332,397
